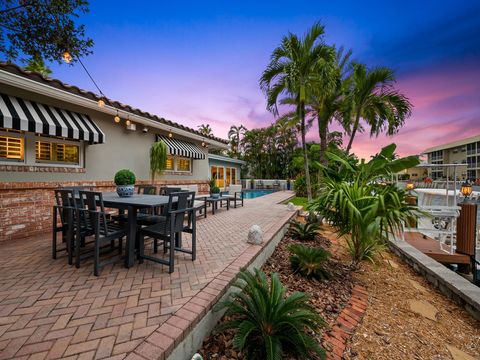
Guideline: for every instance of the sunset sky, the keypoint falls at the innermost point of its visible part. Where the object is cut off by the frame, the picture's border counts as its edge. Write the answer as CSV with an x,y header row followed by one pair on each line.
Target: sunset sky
x,y
199,62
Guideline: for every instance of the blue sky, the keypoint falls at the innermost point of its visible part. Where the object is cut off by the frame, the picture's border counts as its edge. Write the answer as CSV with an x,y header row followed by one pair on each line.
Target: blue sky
x,y
199,62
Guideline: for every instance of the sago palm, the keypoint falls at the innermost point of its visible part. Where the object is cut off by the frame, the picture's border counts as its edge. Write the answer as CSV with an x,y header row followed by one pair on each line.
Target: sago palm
x,y
293,71
303,231
270,324
373,99
309,262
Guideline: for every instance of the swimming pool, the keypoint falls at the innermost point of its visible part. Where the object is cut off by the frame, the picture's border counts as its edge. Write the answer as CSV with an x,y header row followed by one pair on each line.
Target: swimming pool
x,y
252,194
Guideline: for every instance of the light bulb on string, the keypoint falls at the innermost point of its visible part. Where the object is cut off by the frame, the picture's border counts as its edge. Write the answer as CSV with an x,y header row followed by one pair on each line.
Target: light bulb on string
x,y
128,122
67,57
101,103
116,118
170,135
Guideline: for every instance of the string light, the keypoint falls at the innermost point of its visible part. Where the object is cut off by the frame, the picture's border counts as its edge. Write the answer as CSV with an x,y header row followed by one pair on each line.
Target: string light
x,y
116,118
170,135
67,57
203,143
128,122
101,103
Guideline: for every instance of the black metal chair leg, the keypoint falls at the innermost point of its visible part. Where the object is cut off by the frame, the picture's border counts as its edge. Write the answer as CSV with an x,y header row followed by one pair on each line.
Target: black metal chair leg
x,y
141,248
54,234
96,259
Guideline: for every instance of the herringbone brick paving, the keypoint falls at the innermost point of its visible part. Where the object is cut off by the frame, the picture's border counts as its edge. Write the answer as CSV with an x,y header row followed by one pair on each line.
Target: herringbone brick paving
x,y
51,310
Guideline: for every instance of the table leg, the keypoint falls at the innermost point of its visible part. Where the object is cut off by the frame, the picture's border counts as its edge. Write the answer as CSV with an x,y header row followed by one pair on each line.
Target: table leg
x,y
228,204
213,207
132,232
205,207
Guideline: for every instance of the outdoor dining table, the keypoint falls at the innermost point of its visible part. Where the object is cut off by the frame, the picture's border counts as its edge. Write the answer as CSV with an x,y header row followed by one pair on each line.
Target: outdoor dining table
x,y
132,204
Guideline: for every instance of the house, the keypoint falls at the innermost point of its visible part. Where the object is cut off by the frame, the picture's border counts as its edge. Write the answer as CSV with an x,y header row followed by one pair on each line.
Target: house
x,y
465,151
53,134
225,169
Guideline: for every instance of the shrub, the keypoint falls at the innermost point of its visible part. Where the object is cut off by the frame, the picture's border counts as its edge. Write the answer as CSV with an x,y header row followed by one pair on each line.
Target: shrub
x,y
158,158
356,201
124,177
300,186
309,261
303,231
270,324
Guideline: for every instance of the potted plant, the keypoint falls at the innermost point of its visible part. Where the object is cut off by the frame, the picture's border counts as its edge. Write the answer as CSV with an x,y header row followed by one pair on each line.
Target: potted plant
x,y
125,181
215,192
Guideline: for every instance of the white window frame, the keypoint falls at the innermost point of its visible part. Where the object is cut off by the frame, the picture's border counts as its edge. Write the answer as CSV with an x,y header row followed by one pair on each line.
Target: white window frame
x,y
29,153
175,168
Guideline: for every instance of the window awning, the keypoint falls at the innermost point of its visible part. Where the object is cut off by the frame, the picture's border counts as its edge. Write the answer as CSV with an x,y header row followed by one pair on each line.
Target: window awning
x,y
26,115
182,148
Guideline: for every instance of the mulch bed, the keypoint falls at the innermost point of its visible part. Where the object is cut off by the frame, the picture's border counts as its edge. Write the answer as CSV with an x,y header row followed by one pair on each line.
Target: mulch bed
x,y
327,297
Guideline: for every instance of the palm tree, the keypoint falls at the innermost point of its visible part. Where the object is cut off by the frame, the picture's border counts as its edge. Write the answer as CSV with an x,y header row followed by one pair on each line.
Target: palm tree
x,y
205,129
235,135
327,100
292,72
373,98
36,64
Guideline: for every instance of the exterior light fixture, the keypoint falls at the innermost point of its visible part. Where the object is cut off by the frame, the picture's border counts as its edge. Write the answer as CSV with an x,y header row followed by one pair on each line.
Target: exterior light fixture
x,y
145,129
466,190
67,57
410,186
116,118
203,144
101,103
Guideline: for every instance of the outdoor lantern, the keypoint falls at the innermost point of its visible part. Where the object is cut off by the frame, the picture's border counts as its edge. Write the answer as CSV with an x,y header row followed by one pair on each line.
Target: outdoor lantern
x,y
101,103
466,189
67,57
410,186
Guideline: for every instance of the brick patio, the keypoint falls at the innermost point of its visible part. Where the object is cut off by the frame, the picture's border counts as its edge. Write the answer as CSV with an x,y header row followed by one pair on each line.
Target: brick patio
x,y
51,310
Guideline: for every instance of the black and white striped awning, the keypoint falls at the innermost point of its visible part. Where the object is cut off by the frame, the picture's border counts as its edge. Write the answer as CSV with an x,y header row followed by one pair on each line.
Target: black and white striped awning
x,y
26,115
182,148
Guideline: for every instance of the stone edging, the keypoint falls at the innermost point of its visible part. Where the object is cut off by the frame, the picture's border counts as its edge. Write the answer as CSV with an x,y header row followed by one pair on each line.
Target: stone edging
x,y
177,333
447,281
335,340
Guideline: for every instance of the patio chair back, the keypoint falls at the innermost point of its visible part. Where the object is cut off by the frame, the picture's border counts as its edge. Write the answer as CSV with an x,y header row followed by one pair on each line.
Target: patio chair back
x,y
166,191
64,199
93,201
232,189
147,189
177,202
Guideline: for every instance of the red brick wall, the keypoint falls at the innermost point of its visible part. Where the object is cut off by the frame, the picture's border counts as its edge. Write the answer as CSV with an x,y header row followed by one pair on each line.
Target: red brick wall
x,y
26,207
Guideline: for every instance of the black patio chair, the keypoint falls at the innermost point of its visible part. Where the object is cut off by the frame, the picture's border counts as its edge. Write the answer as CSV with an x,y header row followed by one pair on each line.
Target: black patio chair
x,y
165,190
147,189
63,209
105,231
168,229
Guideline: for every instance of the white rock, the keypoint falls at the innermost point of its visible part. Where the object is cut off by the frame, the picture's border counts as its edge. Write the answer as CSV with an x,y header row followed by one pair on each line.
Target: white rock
x,y
291,207
197,356
255,235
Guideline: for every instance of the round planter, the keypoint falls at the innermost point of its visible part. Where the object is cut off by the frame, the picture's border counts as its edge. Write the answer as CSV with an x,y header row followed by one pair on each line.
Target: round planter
x,y
125,190
216,196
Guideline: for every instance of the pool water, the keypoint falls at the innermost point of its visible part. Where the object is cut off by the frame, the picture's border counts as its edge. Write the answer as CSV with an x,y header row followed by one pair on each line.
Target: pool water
x,y
252,194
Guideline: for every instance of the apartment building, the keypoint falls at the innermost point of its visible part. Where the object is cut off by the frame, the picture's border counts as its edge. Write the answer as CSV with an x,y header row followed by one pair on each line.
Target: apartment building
x,y
465,151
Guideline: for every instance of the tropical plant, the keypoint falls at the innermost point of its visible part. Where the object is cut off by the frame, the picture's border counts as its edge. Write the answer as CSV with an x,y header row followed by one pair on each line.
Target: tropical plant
x,y
292,72
212,183
124,177
373,98
36,64
309,261
158,158
268,323
44,29
303,231
205,129
215,190
356,200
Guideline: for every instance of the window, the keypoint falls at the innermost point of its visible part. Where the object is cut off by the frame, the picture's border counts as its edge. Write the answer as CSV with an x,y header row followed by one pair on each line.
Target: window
x,y
46,151
11,148
169,163
234,176
183,164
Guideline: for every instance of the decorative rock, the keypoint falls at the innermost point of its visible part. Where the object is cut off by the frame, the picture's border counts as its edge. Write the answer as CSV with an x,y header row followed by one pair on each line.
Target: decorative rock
x,y
417,286
423,308
255,235
291,207
197,356
458,354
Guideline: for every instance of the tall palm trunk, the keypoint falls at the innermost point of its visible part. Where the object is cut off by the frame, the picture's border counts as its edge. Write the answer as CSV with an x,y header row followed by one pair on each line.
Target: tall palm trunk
x,y
323,132
354,131
305,153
